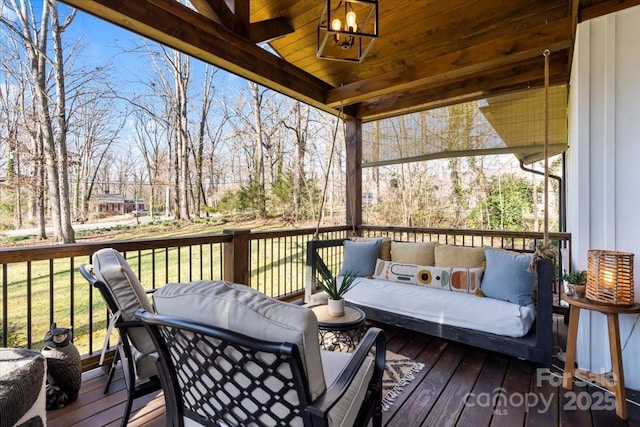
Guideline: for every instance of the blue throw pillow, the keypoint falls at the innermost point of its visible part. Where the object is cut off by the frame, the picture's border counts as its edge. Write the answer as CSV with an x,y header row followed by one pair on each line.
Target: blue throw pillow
x,y
507,278
360,257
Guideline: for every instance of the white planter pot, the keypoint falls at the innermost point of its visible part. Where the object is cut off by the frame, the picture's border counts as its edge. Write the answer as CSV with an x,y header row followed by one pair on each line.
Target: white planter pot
x,y
336,307
565,290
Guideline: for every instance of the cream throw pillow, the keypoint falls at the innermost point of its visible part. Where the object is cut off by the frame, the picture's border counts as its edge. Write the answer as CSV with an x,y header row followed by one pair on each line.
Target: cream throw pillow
x,y
459,256
419,253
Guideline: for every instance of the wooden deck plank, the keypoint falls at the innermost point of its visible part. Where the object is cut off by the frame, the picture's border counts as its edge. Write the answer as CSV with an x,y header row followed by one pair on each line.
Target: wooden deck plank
x,y
569,415
478,413
416,408
436,397
397,339
114,413
544,392
510,411
87,397
145,415
451,402
633,408
603,411
78,413
429,355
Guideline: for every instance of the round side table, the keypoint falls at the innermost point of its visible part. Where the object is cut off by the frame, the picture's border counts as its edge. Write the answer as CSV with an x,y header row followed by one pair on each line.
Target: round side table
x,y
342,333
570,371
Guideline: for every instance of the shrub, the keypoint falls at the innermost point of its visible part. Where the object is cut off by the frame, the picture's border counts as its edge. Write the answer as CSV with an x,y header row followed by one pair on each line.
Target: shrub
x,y
578,277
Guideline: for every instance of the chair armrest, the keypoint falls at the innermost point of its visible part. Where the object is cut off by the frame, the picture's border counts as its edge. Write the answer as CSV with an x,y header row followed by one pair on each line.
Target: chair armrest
x,y
127,324
374,336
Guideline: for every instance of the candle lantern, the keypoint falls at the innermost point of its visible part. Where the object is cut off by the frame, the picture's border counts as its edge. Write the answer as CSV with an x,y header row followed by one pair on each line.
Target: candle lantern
x,y
610,277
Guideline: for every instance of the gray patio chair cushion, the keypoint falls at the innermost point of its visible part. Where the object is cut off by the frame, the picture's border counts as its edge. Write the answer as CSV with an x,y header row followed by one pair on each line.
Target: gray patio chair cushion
x,y
129,295
246,311
346,410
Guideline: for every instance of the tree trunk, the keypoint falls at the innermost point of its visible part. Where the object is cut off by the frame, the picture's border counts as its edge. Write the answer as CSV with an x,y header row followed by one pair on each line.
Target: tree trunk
x,y
39,188
35,52
66,230
181,80
207,99
259,160
301,129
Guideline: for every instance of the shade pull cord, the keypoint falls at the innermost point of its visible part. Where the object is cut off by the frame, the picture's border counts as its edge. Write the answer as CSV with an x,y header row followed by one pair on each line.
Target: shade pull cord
x,y
326,178
350,196
546,146
546,250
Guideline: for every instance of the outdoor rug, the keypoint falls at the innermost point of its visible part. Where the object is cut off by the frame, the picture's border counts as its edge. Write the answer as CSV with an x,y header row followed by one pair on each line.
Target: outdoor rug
x,y
399,371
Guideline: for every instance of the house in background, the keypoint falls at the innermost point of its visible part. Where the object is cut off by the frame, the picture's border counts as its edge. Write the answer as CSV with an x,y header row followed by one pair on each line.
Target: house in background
x,y
113,204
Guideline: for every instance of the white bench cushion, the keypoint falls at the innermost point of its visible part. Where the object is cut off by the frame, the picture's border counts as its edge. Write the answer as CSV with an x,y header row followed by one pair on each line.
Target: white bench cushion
x,y
450,308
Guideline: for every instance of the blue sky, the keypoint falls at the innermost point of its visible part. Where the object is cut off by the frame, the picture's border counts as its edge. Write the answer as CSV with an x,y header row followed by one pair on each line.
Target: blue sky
x,y
106,42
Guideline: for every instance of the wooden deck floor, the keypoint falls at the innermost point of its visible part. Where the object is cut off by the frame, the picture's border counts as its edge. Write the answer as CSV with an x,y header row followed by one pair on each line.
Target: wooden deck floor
x,y
435,398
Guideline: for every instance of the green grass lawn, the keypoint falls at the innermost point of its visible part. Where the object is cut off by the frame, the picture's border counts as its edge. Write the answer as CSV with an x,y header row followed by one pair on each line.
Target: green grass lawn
x,y
59,293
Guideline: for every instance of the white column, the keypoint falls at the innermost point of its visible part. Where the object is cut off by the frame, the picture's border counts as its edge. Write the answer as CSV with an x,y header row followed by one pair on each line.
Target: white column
x,y
603,170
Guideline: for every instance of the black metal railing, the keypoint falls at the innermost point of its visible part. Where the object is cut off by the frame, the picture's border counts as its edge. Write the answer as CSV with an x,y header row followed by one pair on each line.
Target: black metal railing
x,y
42,284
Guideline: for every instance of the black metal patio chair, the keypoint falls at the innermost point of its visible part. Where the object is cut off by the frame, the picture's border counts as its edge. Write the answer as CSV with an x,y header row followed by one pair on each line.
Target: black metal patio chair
x,y
245,359
123,293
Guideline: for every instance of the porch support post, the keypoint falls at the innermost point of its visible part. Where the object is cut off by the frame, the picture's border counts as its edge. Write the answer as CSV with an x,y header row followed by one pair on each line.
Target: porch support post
x,y
236,257
354,171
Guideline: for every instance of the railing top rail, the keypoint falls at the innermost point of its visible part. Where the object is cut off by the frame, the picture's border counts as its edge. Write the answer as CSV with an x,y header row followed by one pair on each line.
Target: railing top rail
x,y
466,232
268,234
46,252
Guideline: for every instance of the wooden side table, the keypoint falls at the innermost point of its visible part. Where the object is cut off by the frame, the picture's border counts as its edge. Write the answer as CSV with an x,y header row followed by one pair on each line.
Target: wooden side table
x,y
570,371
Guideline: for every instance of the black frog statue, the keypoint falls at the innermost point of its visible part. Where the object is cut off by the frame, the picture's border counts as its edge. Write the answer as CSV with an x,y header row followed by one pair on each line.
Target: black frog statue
x,y
64,371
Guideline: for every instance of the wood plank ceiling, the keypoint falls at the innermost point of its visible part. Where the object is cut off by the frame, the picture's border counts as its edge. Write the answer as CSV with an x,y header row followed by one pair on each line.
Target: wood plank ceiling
x,y
430,53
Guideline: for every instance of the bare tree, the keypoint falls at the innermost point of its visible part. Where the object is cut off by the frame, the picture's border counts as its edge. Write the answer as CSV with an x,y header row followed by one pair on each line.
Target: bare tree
x,y
180,66
300,131
60,143
166,103
10,135
27,36
150,138
207,94
256,99
33,38
95,129
257,123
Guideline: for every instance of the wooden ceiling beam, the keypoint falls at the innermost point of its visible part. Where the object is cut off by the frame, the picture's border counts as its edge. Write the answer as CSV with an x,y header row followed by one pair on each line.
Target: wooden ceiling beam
x,y
605,8
257,32
177,26
483,57
216,10
527,75
270,29
241,18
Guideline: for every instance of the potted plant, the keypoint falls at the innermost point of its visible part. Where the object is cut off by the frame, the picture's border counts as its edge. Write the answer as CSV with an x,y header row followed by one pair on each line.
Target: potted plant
x,y
335,288
576,283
